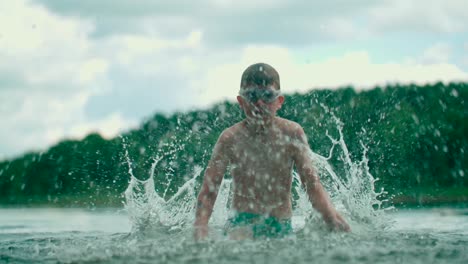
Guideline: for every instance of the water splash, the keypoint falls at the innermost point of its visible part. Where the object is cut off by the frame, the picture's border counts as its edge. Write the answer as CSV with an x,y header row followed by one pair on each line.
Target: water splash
x,y
147,209
353,194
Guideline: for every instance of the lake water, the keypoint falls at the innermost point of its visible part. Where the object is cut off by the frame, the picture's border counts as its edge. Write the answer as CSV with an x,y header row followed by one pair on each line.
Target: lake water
x,y
154,228
106,236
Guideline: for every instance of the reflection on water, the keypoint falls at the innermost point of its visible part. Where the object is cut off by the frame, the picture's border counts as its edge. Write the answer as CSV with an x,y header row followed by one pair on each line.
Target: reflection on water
x,y
55,220
437,220
103,236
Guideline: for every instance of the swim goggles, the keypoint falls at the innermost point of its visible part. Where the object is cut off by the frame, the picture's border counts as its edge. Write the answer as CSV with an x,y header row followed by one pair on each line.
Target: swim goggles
x,y
267,95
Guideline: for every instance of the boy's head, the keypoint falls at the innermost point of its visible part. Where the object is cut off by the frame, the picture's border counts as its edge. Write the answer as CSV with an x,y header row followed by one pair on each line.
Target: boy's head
x,y
259,94
260,75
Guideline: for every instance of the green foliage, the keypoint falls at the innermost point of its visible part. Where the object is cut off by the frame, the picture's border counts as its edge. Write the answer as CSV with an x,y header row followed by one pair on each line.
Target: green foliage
x,y
416,136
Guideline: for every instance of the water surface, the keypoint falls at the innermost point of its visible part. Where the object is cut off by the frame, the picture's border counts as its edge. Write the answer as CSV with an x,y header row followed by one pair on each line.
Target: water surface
x,y
106,236
154,228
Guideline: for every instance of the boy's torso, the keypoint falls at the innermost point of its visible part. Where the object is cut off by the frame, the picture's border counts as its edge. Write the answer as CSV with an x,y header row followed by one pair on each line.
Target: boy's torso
x,y
261,165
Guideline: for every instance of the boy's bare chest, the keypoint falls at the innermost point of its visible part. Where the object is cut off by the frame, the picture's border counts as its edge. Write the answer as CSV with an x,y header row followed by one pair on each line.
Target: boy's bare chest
x,y
261,166
257,153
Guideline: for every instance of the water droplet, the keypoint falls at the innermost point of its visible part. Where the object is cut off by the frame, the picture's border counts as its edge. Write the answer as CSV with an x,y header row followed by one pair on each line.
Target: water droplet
x,y
415,118
454,93
142,150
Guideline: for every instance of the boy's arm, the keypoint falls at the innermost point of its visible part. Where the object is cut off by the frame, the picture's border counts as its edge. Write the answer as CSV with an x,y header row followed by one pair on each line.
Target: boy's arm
x,y
317,194
209,191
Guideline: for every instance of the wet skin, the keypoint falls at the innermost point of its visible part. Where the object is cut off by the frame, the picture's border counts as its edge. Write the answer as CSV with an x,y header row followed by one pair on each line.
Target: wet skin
x,y
261,152
261,164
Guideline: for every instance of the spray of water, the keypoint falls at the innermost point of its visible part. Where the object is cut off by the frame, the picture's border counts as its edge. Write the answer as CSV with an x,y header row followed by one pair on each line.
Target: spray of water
x,y
353,194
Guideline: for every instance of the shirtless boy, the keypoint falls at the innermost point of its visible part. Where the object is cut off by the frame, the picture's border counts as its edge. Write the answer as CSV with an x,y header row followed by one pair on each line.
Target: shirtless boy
x,y
261,152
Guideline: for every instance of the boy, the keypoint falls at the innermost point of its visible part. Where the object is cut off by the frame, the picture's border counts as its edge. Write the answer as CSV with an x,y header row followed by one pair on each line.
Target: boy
x,y
261,152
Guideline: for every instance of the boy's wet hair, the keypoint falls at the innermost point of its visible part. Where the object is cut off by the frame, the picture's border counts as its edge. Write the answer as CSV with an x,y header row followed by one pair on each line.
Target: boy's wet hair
x,y
260,75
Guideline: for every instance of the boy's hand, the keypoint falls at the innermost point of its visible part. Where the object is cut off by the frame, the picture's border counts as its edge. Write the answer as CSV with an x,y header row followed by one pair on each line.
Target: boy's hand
x,y
337,223
200,232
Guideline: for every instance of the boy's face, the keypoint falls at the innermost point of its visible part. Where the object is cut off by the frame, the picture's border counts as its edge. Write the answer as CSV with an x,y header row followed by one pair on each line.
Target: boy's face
x,y
260,103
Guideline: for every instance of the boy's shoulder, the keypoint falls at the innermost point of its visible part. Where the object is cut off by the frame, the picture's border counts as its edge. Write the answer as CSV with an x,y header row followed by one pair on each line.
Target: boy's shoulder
x,y
287,125
228,134
292,130
232,130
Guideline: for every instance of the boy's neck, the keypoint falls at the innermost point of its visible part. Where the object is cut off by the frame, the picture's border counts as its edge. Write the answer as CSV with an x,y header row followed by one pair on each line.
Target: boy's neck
x,y
258,126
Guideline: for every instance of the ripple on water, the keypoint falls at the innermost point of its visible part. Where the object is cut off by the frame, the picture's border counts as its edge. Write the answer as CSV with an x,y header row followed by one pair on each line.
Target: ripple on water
x,y
179,247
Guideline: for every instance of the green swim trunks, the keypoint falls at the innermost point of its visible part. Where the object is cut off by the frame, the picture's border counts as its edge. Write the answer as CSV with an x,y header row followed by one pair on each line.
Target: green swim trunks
x,y
262,226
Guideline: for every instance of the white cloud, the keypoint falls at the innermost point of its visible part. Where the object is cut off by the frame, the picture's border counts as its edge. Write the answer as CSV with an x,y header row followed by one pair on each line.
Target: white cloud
x,y
37,120
340,28
225,22
420,15
42,121
248,4
133,50
108,127
56,65
353,68
45,48
438,53
91,68
465,56
26,28
221,80
59,68
358,69
52,58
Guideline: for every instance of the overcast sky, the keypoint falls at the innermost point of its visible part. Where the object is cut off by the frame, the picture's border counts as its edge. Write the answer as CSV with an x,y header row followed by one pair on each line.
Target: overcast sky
x,y
68,68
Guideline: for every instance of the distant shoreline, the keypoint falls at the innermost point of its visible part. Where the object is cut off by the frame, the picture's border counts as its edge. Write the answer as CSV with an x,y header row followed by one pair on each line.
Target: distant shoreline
x,y
429,200
403,200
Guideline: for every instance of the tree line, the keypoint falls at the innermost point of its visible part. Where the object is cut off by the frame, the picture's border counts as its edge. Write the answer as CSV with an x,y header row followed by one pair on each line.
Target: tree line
x,y
415,134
